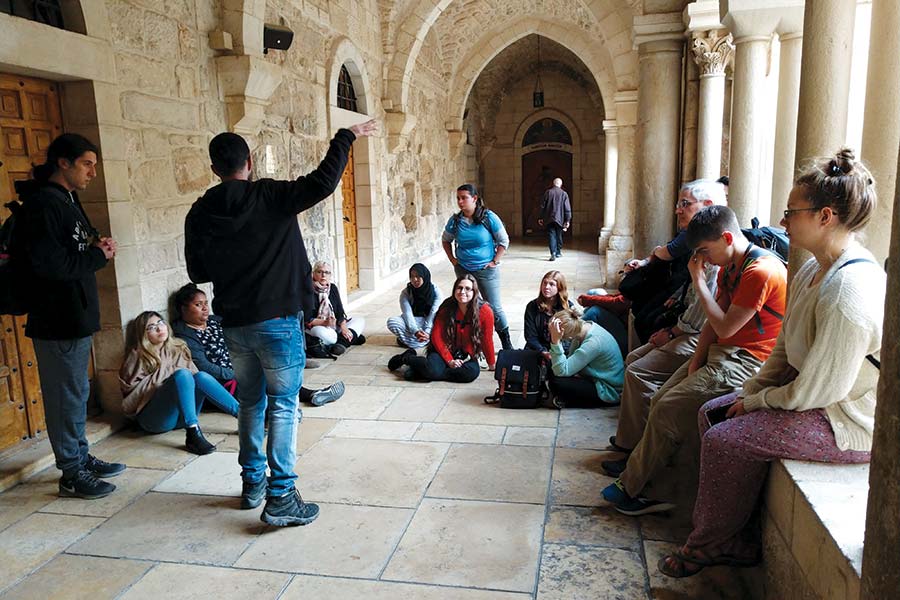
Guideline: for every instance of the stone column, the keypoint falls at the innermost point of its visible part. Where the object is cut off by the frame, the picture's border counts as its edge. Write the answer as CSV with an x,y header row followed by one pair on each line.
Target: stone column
x,y
824,86
712,51
620,247
660,43
611,135
881,128
880,576
786,122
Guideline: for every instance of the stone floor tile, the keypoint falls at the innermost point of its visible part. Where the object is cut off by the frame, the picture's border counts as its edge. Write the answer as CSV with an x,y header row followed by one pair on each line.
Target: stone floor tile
x,y
577,478
311,431
175,527
579,573
358,402
591,527
184,582
365,356
320,379
19,502
216,474
143,450
372,472
349,541
35,540
529,436
305,587
672,527
465,407
375,430
68,577
476,544
586,427
724,583
129,485
504,473
218,422
416,405
466,434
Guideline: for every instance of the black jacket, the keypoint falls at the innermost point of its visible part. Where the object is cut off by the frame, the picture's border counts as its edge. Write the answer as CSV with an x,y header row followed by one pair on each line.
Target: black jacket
x,y
537,336
198,351
63,302
311,306
244,237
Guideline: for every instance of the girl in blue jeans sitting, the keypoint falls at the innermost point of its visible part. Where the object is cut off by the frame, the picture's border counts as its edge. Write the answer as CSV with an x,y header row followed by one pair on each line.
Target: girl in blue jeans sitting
x,y
162,388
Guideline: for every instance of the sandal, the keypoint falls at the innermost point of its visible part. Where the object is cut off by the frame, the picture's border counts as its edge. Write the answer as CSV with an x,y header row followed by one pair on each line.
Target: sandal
x,y
724,559
680,569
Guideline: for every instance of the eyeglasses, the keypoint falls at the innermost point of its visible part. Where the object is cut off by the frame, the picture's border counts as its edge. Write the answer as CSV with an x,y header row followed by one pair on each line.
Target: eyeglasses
x,y
155,327
787,214
467,290
684,203
320,272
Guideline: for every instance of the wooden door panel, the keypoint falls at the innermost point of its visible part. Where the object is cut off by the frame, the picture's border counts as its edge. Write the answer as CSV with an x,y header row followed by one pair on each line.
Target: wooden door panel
x,y
351,244
13,418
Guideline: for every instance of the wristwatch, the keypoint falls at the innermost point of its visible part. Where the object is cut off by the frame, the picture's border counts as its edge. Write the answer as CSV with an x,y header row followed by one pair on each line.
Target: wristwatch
x,y
671,334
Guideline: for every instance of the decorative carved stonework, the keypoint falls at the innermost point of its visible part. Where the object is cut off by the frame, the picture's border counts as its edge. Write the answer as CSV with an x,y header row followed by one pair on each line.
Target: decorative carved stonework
x,y
712,51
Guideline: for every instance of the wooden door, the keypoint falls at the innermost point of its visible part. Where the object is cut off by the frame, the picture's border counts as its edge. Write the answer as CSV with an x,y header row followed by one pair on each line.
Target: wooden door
x,y
539,169
351,243
30,118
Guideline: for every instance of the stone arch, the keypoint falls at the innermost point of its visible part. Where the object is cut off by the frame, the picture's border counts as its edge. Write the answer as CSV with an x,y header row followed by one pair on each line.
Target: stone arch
x,y
574,149
493,42
345,53
613,18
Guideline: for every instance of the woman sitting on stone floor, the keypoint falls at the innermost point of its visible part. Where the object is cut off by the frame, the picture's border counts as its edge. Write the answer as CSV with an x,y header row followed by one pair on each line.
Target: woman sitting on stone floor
x,y
814,398
202,332
553,296
419,302
162,388
463,329
327,321
591,371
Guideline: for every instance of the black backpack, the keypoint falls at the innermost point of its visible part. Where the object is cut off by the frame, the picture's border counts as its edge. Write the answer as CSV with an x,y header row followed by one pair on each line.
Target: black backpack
x,y
773,239
13,270
521,377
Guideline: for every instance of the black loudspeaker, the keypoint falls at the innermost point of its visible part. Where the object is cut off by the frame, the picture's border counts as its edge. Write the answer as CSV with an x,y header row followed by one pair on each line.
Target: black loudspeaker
x,y
276,37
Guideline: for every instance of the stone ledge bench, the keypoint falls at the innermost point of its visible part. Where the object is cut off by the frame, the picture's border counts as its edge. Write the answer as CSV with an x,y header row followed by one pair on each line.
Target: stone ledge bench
x,y
814,520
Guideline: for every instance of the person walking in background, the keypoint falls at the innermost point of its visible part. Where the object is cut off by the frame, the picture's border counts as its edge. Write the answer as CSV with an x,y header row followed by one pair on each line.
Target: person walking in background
x,y
556,216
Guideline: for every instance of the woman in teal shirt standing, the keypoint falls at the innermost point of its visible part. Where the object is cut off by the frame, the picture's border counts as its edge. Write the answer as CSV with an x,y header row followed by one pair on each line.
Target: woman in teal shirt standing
x,y
481,240
592,371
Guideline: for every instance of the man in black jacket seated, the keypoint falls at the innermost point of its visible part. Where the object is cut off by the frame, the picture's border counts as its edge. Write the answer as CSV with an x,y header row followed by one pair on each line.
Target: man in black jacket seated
x,y
64,250
244,237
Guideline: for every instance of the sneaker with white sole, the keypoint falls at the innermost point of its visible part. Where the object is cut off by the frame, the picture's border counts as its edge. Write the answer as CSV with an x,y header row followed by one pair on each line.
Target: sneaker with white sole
x,y
326,395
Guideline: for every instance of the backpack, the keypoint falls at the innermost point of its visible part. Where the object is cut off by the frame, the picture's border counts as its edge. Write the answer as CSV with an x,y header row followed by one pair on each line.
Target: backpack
x,y
13,272
773,239
521,377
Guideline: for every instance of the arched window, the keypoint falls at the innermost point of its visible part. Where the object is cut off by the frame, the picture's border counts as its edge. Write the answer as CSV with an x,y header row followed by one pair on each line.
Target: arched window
x,y
48,12
346,97
547,130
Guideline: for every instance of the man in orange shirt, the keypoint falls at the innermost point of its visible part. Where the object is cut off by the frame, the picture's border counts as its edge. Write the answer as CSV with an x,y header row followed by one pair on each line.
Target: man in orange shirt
x,y
743,322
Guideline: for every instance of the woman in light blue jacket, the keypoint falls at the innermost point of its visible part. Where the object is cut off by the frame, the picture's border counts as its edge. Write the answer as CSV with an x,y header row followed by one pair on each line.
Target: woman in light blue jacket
x,y
592,371
419,302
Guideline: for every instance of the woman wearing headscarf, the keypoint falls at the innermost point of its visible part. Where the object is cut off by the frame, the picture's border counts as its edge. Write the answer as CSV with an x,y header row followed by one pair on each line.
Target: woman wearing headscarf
x,y
419,302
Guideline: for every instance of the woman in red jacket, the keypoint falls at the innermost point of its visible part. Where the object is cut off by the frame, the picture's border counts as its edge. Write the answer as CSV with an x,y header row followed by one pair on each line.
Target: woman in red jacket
x,y
463,329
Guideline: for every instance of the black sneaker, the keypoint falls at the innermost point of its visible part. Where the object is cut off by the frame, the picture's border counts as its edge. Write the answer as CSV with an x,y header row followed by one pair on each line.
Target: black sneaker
x,y
101,468
337,349
398,360
329,394
359,340
614,468
195,442
252,494
84,485
289,510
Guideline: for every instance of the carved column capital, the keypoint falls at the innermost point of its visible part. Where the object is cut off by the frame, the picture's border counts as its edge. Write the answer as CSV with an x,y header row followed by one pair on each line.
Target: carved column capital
x,y
712,50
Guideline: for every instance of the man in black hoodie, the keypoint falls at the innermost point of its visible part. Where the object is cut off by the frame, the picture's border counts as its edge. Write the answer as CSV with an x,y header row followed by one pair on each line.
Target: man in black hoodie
x,y
244,237
63,251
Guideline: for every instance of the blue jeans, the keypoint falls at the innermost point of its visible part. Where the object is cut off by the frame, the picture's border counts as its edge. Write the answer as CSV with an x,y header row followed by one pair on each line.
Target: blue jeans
x,y
489,284
177,402
555,238
63,371
268,361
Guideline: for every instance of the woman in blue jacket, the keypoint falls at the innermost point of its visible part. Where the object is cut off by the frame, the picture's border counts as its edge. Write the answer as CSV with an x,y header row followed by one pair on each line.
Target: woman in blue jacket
x,y
481,240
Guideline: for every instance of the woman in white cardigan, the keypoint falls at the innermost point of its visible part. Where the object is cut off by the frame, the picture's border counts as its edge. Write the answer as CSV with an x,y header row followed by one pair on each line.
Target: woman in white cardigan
x,y
814,398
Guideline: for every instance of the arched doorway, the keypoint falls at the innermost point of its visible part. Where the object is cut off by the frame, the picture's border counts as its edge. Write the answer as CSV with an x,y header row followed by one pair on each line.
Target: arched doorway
x,y
546,155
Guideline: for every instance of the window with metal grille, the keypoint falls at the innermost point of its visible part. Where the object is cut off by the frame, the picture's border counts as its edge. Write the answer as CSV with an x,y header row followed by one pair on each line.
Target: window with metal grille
x,y
48,12
346,97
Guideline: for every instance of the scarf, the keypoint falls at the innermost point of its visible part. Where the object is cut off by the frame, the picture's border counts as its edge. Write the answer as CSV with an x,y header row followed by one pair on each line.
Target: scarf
x,y
326,311
422,297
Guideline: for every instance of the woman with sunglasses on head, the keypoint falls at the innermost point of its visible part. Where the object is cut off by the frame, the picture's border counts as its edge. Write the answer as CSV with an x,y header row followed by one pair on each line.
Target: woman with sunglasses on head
x,y
814,397
463,329
161,387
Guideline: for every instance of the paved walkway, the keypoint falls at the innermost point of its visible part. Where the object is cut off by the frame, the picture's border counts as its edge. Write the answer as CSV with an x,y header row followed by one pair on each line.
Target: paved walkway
x,y
426,493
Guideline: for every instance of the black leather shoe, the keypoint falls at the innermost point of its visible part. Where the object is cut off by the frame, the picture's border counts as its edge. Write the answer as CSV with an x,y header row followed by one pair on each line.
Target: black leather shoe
x,y
196,443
